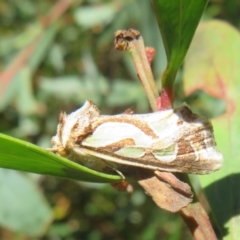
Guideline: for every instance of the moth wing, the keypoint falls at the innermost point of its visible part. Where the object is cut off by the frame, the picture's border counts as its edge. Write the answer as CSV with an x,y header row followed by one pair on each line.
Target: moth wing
x,y
173,140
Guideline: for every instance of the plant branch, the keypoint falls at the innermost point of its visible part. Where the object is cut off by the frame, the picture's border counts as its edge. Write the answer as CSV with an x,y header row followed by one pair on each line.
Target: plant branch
x,y
131,40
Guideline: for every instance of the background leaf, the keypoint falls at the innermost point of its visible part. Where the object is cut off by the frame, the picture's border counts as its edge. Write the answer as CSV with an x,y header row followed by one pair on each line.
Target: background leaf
x,y
212,65
177,21
85,65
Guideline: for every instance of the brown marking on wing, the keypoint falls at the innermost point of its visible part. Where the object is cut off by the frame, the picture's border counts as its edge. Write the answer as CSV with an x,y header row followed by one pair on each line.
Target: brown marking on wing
x,y
79,138
124,119
183,163
185,148
62,120
203,137
192,142
127,142
189,146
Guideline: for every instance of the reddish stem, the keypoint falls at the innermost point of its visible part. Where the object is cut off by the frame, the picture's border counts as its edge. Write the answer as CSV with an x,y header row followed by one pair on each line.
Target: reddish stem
x,y
166,100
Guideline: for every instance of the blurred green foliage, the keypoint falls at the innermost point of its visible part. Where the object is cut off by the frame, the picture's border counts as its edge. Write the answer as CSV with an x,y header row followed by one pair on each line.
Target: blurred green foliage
x,y
52,64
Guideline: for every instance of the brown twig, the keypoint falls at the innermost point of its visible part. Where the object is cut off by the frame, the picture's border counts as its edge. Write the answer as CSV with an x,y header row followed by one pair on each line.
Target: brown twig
x,y
131,40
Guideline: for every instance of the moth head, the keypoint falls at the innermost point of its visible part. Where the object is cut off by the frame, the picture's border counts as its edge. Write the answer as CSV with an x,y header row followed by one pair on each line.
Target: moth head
x,y
73,127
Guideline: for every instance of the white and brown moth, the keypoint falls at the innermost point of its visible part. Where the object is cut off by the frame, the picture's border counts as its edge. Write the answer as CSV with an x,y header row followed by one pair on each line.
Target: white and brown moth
x,y
174,140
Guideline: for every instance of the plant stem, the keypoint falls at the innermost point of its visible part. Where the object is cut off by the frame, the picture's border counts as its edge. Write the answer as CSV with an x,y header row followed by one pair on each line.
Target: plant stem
x,y
131,40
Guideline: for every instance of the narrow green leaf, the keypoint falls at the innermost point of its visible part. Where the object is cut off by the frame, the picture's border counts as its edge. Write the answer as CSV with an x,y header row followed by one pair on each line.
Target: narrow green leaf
x,y
177,21
20,155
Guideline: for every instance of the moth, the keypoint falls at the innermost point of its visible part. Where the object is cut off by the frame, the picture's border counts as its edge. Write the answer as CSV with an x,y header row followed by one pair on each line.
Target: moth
x,y
174,140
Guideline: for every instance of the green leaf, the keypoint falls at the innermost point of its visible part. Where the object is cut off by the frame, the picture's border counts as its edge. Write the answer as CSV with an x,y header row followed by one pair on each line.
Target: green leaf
x,y
177,21
212,65
21,197
20,155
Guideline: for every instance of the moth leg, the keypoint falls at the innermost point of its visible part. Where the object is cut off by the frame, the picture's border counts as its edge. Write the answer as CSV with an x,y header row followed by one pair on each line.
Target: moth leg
x,y
113,168
123,186
60,150
54,150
